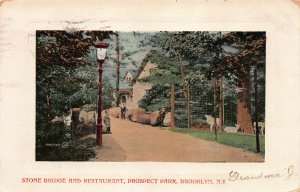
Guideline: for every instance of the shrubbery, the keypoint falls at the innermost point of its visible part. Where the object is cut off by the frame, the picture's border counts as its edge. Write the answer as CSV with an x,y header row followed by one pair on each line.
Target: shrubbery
x,y
55,143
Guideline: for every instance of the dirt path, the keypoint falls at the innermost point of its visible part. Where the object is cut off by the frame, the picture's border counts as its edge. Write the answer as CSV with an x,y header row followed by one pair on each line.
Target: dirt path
x,y
131,141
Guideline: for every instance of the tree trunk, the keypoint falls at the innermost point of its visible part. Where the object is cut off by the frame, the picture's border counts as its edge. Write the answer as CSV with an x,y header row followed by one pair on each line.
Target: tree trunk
x,y
221,104
172,104
256,110
244,119
215,108
117,70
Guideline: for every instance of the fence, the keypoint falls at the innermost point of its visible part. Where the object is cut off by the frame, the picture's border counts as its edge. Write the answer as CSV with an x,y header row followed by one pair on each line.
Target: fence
x,y
201,102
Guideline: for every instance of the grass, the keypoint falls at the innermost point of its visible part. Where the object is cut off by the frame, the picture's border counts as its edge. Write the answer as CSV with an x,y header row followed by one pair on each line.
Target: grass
x,y
247,142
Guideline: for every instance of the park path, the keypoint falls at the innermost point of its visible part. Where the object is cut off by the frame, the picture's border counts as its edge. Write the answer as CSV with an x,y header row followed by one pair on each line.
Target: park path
x,y
132,141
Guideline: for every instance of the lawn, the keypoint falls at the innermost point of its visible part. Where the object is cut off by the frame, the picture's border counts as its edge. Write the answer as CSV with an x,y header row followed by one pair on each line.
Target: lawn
x,y
247,142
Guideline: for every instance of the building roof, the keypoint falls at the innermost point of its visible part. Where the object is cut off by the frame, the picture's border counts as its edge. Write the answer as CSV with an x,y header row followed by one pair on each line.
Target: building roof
x,y
142,66
128,71
124,85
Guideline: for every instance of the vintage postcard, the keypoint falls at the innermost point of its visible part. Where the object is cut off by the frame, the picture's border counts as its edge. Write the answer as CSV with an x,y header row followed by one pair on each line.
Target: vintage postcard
x,y
159,96
153,96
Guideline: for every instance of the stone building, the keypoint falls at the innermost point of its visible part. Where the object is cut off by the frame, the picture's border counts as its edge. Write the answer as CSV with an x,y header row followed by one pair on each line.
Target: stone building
x,y
131,89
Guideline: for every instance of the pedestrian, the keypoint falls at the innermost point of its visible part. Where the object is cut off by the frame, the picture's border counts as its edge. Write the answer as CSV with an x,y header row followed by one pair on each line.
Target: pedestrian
x,y
123,110
161,116
107,122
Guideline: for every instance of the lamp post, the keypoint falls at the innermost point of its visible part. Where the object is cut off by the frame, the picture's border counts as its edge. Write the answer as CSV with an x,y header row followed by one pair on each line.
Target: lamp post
x,y
101,49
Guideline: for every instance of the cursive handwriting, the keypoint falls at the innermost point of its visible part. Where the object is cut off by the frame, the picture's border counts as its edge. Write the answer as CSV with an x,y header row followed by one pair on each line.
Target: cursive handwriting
x,y
237,176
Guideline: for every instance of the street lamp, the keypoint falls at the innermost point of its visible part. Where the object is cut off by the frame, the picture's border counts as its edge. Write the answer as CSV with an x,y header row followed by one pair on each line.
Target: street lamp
x,y
101,49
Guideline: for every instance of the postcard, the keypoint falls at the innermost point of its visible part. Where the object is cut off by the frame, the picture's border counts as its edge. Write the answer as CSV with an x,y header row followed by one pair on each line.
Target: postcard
x,y
152,96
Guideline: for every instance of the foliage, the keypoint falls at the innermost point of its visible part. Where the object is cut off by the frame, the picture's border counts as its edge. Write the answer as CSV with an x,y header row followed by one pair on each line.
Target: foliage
x,y
50,142
201,122
261,95
89,107
87,91
215,53
202,56
64,78
166,71
156,98
59,54
107,94
250,51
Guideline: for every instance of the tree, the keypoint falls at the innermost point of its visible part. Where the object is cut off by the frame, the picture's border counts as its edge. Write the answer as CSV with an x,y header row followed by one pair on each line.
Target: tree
x,y
60,60
202,50
251,51
58,55
219,54
166,72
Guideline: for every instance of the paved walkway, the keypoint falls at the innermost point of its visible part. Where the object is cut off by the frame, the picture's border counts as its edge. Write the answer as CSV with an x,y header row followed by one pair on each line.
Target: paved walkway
x,y
131,141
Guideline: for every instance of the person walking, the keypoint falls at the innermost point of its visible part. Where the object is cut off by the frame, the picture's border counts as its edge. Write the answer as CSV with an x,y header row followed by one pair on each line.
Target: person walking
x,y
161,117
123,110
107,122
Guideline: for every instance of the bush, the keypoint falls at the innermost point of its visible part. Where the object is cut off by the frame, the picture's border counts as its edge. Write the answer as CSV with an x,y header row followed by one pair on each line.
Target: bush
x,y
199,122
89,107
54,143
